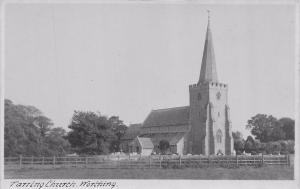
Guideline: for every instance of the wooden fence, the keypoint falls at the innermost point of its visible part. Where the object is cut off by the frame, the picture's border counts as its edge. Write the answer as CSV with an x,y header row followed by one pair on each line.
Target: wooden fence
x,y
155,161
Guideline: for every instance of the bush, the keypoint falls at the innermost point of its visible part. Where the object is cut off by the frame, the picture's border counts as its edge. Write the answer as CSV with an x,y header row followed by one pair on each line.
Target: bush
x,y
275,152
283,146
291,146
239,146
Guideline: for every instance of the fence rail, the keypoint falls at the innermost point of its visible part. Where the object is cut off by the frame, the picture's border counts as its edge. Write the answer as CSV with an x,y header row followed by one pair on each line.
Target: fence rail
x,y
156,161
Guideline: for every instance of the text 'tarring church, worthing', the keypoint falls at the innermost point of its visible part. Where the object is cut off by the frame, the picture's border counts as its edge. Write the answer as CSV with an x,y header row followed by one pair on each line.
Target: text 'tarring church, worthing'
x,y
203,127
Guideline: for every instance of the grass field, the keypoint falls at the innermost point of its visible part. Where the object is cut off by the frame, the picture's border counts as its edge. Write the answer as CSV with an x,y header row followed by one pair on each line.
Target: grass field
x,y
244,173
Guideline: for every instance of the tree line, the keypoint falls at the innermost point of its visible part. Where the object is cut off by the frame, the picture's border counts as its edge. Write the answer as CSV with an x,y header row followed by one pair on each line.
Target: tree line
x,y
271,136
28,132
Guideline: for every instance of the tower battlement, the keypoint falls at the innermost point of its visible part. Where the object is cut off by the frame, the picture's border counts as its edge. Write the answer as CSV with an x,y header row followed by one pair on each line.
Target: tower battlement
x,y
211,84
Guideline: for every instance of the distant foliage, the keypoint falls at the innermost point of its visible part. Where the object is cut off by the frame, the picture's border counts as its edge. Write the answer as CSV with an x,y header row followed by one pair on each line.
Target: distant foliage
x,y
28,132
267,128
92,133
272,136
253,147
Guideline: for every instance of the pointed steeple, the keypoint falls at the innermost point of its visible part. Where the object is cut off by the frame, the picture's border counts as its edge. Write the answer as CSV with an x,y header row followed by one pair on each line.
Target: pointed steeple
x,y
208,67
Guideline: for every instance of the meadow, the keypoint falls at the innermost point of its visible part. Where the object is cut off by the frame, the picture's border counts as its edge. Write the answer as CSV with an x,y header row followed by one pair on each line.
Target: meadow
x,y
210,173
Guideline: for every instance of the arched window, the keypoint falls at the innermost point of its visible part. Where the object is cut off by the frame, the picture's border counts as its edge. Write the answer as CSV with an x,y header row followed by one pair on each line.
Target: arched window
x,y
219,136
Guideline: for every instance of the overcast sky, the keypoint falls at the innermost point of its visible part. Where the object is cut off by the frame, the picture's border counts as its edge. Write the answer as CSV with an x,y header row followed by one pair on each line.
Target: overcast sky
x,y
127,59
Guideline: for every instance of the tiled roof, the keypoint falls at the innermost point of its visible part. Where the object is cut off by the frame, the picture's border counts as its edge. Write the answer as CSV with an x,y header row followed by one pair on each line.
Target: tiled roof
x,y
145,142
168,117
132,132
172,138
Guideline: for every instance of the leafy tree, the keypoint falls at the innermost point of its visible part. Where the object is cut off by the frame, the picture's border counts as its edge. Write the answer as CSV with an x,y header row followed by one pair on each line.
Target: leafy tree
x,y
288,127
258,147
277,133
268,128
92,133
56,143
249,145
20,135
239,146
237,135
43,123
27,131
119,129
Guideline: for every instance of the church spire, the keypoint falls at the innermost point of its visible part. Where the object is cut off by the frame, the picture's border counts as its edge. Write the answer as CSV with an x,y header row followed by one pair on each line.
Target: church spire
x,y
208,67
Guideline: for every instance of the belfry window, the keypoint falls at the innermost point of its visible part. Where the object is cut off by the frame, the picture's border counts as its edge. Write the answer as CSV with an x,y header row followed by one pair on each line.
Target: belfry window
x,y
219,136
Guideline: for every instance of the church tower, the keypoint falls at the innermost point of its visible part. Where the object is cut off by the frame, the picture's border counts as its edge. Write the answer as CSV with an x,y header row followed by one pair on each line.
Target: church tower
x,y
210,126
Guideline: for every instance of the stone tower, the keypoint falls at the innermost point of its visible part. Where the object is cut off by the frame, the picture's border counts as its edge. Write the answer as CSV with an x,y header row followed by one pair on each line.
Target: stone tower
x,y
210,126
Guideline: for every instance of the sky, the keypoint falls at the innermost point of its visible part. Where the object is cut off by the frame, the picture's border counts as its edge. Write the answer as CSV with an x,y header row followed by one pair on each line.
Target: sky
x,y
128,59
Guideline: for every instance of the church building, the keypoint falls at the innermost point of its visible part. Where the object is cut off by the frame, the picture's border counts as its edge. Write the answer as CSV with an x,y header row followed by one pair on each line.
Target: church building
x,y
203,127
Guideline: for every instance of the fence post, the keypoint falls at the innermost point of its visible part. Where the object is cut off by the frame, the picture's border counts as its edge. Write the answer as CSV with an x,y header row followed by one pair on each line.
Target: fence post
x,y
208,160
237,160
86,161
20,163
159,161
43,160
262,158
180,161
288,160
53,161
150,161
31,161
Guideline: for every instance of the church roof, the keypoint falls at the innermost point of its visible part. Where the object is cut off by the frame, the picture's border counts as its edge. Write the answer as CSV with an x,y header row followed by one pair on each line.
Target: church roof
x,y
172,138
132,132
145,142
208,67
168,117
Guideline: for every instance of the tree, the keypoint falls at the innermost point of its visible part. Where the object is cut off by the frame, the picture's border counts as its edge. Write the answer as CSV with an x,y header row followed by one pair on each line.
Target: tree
x,y
237,135
261,126
43,123
92,133
277,132
56,143
27,131
119,129
273,147
20,135
288,127
239,146
249,145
